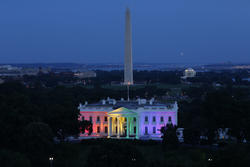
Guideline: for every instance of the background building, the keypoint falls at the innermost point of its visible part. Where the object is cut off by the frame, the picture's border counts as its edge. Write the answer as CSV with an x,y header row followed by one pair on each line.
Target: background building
x,y
85,74
189,73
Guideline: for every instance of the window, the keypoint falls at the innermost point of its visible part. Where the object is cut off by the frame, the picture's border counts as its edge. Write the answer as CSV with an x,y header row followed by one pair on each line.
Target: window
x,y
90,119
125,119
106,129
134,119
169,119
146,130
98,129
82,118
98,119
116,129
146,119
135,130
154,130
154,119
162,119
105,119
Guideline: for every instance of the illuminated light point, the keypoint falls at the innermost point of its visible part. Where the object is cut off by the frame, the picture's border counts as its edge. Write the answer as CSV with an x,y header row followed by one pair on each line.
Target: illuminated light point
x,y
51,161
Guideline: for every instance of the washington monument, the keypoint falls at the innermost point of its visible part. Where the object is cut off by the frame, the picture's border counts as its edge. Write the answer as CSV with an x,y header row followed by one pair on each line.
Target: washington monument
x,y
128,64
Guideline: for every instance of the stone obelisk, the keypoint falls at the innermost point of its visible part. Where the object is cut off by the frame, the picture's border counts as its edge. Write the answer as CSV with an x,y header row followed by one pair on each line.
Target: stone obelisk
x,y
128,64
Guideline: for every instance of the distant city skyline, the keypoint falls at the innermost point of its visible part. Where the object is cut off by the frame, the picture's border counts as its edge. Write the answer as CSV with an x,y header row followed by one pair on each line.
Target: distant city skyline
x,y
77,31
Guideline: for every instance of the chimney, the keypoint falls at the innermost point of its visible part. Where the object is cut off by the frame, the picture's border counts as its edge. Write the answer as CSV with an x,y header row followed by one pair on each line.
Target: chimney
x,y
139,101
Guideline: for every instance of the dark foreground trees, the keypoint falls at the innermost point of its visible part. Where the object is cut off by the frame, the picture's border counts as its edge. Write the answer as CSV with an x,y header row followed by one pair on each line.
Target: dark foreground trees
x,y
30,119
38,138
115,155
217,109
13,159
86,126
170,139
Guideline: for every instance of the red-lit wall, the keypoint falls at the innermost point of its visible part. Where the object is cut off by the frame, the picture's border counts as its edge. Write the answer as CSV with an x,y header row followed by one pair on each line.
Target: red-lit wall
x,y
102,123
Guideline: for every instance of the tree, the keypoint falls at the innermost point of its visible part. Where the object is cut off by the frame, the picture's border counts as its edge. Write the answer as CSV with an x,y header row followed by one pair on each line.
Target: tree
x,y
191,136
86,126
115,155
13,159
170,139
38,138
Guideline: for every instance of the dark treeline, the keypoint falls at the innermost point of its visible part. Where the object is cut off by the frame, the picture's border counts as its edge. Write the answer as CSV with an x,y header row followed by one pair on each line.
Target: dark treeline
x,y
173,77
145,77
226,77
30,118
212,109
168,77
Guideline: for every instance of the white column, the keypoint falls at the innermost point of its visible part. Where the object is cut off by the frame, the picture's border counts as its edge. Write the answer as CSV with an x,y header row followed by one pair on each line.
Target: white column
x,y
121,127
137,127
118,127
127,126
109,127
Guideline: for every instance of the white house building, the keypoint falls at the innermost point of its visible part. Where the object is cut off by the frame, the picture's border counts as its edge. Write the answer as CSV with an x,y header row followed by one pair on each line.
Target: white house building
x,y
140,119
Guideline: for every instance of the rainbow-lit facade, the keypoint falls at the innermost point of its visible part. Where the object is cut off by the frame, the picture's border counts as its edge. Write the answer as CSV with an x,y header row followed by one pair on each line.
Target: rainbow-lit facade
x,y
139,119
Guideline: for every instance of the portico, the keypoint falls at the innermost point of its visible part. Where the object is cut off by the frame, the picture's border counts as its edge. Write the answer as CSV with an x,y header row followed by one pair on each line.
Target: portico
x,y
123,122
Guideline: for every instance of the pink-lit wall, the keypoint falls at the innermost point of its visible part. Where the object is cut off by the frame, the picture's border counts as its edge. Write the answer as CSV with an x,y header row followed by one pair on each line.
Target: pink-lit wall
x,y
102,123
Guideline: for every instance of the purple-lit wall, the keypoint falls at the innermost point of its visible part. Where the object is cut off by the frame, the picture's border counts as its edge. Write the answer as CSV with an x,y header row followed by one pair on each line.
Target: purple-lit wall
x,y
157,124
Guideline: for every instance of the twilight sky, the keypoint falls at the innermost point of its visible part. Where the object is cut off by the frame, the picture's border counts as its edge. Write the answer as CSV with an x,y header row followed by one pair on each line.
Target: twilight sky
x,y
92,31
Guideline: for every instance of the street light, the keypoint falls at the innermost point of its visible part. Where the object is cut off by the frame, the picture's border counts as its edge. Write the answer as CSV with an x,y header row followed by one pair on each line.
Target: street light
x,y
51,161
